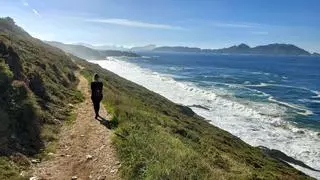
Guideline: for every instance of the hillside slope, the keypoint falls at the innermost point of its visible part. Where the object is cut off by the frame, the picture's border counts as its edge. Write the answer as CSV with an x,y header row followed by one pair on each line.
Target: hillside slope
x,y
37,84
154,138
157,139
89,53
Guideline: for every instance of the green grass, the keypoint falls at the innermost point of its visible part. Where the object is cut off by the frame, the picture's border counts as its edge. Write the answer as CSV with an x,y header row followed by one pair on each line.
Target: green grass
x,y
154,138
157,139
37,84
9,170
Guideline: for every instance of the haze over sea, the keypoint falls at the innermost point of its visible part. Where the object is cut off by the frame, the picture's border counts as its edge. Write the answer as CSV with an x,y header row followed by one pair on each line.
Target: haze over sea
x,y
271,101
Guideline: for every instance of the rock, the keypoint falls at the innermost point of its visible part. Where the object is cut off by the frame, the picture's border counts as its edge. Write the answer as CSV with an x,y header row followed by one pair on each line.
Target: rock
x,y
117,162
74,177
101,147
300,132
114,171
51,154
33,178
35,161
81,135
102,177
71,105
318,134
276,154
23,173
89,157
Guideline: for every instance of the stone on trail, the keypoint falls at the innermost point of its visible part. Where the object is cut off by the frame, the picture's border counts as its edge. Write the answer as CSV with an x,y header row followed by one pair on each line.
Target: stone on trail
x,y
35,161
89,157
74,177
102,177
114,171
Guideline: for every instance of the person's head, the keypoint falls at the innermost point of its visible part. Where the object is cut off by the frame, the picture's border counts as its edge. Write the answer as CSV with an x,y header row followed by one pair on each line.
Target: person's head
x,y
96,77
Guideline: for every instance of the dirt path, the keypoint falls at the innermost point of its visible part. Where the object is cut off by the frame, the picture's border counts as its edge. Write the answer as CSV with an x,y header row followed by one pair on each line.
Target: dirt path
x,y
84,150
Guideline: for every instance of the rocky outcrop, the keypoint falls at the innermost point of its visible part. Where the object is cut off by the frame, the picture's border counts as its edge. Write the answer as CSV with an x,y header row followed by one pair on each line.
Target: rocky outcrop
x,y
279,155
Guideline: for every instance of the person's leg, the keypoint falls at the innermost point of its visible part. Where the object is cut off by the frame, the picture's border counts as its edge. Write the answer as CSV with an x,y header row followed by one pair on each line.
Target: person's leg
x,y
95,107
98,108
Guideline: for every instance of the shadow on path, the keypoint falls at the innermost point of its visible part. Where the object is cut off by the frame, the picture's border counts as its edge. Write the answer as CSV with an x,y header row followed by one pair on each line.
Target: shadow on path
x,y
105,122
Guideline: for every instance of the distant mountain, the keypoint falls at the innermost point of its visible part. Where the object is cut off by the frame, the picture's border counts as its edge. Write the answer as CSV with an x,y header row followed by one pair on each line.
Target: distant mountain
x,y
89,53
177,49
144,48
240,49
104,47
280,49
270,49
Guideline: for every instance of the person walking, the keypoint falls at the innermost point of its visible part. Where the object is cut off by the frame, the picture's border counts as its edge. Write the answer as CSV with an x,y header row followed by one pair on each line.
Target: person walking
x,y
96,94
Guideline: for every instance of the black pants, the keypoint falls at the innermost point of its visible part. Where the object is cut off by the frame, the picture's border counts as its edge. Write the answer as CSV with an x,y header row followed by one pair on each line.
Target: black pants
x,y
96,104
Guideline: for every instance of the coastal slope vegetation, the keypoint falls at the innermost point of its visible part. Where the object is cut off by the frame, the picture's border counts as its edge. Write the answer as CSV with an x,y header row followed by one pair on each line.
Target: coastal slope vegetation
x,y
37,90
158,139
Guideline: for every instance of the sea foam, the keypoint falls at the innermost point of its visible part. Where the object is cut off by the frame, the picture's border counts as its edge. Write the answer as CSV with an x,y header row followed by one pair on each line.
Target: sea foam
x,y
259,124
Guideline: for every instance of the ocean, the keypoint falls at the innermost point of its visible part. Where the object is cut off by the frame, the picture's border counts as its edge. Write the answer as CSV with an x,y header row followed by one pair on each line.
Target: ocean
x,y
271,101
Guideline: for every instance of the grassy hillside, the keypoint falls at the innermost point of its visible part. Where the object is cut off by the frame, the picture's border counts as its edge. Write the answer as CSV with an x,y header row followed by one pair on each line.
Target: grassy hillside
x,y
157,139
37,84
154,138
89,53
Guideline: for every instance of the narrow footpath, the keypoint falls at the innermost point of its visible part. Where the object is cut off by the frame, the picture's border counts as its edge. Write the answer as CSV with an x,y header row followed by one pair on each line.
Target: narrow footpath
x,y
84,149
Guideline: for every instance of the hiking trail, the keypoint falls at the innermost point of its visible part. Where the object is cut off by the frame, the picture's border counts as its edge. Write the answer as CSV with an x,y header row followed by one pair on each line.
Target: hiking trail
x,y
84,149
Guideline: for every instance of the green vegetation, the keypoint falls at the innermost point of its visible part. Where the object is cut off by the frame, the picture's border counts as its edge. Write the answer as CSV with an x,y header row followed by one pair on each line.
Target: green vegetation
x,y
157,139
89,53
9,170
37,88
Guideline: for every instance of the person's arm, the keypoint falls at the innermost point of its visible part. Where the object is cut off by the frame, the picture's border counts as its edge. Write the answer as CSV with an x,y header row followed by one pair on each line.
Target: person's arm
x,y
101,87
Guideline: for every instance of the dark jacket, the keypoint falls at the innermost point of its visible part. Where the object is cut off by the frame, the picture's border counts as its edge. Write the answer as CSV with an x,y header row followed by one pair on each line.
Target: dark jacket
x,y
96,90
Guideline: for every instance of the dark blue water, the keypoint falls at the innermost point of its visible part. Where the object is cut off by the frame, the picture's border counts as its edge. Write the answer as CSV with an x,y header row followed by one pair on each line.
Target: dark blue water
x,y
290,81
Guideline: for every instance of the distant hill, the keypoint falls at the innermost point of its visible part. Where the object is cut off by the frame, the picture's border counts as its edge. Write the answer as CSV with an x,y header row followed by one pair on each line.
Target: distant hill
x,y
270,49
177,49
89,53
104,47
144,48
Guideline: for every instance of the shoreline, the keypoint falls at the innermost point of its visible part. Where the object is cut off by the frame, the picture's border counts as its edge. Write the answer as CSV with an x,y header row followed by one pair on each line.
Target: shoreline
x,y
317,174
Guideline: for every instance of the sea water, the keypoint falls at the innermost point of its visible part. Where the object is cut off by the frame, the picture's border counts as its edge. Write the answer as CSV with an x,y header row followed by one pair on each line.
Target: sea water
x,y
271,101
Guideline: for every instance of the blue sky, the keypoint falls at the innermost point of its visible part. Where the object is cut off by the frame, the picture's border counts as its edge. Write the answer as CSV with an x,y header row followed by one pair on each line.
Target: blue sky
x,y
202,23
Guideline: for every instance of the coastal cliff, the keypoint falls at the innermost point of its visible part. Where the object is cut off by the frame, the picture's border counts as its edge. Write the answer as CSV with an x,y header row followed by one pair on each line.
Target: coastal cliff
x,y
154,137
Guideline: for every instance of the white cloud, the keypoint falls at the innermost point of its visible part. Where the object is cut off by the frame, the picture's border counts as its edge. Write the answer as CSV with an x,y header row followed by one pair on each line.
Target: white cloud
x,y
25,3
235,25
260,32
36,12
127,22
